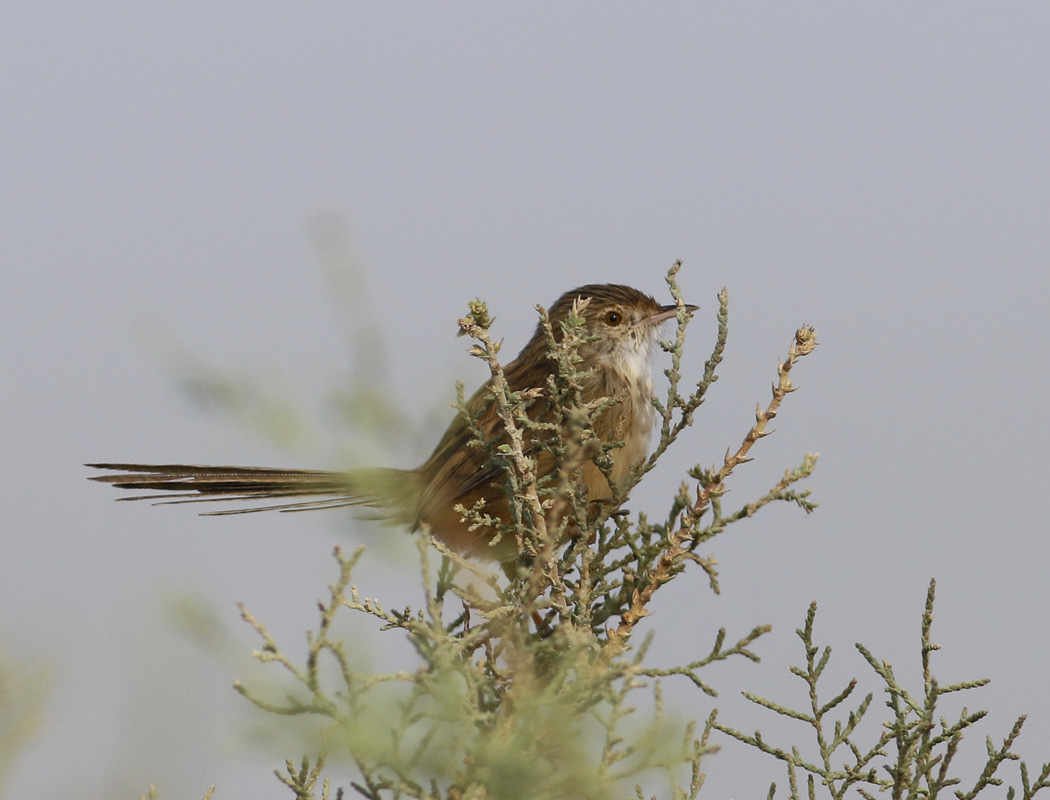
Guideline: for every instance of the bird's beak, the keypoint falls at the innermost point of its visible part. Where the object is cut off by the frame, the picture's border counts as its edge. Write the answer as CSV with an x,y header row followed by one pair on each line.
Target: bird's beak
x,y
665,313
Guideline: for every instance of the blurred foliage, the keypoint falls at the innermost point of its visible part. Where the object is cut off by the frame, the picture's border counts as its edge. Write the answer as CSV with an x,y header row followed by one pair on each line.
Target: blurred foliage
x,y
23,695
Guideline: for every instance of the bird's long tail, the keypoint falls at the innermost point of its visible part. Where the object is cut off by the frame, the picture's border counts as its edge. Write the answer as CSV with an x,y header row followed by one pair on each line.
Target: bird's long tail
x,y
189,483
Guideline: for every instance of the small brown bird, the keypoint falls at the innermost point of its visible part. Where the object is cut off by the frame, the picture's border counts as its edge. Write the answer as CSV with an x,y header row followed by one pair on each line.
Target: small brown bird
x,y
623,326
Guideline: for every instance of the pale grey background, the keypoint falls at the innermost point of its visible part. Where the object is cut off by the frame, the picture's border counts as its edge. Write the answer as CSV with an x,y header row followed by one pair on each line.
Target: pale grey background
x,y
881,172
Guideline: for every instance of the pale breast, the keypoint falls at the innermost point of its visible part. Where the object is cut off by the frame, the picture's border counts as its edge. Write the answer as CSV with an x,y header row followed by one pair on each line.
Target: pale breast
x,y
637,418
631,422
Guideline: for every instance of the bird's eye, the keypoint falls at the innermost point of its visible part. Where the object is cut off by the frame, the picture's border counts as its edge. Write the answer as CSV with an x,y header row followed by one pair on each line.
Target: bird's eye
x,y
613,318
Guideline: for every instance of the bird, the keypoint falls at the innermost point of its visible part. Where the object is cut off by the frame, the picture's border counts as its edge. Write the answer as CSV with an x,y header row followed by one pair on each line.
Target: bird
x,y
621,329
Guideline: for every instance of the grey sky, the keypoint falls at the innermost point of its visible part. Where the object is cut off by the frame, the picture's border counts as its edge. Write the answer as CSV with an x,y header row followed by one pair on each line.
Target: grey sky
x,y
880,172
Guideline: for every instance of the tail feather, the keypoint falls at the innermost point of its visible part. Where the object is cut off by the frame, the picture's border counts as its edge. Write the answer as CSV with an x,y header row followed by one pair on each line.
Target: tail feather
x,y
192,483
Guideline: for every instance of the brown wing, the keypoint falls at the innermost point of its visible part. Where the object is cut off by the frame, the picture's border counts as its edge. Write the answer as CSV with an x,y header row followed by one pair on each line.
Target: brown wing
x,y
458,472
